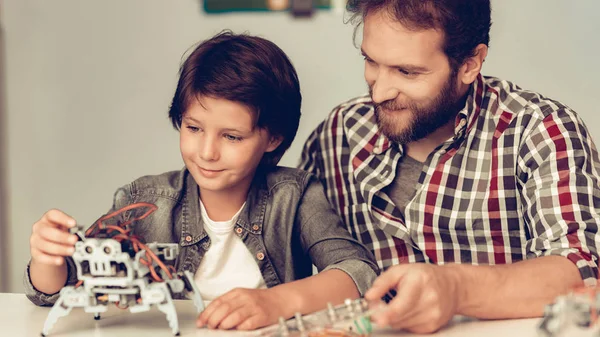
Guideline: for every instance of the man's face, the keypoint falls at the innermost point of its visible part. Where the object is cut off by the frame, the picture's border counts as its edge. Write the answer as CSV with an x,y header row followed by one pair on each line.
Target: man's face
x,y
410,80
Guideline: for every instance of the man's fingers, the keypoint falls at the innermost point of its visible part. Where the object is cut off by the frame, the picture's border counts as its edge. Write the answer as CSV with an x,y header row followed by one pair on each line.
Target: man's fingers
x,y
404,305
386,281
421,324
57,217
412,318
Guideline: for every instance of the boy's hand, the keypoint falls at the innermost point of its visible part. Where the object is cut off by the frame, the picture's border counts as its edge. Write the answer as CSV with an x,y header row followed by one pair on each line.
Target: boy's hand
x,y
50,239
243,309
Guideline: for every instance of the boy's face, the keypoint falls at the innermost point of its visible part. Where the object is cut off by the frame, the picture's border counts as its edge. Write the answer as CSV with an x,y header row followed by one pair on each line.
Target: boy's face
x,y
220,146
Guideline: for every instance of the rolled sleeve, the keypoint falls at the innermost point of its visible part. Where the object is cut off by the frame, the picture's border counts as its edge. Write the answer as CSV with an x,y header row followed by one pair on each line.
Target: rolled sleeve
x,y
361,273
329,244
561,193
42,299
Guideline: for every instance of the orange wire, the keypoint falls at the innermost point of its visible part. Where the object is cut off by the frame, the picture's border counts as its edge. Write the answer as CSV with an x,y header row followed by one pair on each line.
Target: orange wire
x,y
117,228
122,308
100,222
157,260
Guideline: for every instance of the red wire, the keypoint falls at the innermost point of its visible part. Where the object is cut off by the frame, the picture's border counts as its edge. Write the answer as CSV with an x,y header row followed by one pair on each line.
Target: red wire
x,y
124,234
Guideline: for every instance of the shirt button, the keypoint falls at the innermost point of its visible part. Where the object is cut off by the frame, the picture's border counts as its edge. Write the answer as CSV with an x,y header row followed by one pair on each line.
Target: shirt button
x,y
188,238
255,227
260,256
238,230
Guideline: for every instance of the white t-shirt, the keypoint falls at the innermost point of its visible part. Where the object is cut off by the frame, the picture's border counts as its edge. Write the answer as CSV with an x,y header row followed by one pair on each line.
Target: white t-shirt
x,y
227,264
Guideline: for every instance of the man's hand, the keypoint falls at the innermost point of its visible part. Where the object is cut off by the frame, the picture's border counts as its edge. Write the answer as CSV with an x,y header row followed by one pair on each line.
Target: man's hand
x,y
242,309
427,297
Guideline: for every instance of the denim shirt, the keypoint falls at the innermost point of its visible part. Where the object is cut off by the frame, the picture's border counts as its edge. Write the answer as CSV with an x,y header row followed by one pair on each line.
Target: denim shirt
x,y
287,224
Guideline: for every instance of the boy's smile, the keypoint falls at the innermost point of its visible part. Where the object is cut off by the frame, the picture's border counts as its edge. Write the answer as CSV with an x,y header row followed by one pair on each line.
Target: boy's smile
x,y
209,173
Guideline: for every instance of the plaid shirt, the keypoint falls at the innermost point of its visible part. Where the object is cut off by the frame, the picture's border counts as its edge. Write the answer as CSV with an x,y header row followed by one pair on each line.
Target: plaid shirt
x,y
518,180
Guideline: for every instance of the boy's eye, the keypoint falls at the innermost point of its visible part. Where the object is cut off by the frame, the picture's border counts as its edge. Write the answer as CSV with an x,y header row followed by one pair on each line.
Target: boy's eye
x,y
193,128
233,138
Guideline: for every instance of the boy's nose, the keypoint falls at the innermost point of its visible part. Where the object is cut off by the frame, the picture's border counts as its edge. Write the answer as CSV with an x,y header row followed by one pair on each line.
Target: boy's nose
x,y
209,150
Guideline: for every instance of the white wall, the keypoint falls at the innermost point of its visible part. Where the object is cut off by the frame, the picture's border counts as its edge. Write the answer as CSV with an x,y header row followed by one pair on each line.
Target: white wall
x,y
88,84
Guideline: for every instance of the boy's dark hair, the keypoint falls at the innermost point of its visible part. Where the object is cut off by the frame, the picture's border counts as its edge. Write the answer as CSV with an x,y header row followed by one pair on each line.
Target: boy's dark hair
x,y
465,23
249,70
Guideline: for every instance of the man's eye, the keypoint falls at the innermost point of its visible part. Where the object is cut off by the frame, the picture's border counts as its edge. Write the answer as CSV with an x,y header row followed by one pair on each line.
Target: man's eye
x,y
407,73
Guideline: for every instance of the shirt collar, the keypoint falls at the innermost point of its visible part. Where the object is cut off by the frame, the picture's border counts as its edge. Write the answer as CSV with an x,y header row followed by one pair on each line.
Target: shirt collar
x,y
250,217
364,135
465,119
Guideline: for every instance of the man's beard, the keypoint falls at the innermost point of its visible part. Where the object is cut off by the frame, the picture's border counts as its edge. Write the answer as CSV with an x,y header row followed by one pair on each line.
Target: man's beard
x,y
424,119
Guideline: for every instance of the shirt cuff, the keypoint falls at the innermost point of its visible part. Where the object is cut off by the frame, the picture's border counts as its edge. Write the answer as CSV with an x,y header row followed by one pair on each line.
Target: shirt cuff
x,y
361,273
42,299
588,269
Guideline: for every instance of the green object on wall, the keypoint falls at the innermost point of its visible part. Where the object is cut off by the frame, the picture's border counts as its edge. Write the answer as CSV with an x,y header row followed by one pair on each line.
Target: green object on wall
x,y
220,6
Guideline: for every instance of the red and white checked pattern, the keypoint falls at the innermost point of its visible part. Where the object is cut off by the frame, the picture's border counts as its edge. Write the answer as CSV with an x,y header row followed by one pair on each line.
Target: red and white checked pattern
x,y
519,179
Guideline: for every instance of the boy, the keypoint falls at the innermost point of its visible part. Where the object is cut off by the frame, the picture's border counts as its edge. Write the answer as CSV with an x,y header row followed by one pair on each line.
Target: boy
x,y
249,230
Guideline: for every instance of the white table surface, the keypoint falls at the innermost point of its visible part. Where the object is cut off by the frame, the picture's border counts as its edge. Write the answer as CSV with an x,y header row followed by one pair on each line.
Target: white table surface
x,y
19,317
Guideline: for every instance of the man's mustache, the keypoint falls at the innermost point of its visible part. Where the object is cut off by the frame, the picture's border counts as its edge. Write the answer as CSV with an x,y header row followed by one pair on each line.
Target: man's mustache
x,y
390,105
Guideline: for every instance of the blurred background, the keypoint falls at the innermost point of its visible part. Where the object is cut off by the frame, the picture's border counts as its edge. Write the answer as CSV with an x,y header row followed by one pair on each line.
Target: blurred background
x,y
85,88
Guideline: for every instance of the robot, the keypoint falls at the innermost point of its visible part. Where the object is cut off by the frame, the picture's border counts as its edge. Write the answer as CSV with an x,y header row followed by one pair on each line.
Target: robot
x,y
115,267
579,308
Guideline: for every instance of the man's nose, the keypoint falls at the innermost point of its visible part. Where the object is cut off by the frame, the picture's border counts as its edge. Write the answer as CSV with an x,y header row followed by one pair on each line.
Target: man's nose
x,y
383,89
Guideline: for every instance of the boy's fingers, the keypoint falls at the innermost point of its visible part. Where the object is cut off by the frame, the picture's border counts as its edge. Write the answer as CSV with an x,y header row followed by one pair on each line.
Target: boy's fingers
x,y
252,322
56,249
218,315
234,318
56,235
42,258
232,295
207,312
57,217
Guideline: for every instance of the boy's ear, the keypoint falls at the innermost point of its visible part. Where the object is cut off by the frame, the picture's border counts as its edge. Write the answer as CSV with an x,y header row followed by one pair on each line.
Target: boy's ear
x,y
274,143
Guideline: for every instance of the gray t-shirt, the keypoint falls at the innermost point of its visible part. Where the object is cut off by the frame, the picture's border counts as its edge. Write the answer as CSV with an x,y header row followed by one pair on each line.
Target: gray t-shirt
x,y
403,187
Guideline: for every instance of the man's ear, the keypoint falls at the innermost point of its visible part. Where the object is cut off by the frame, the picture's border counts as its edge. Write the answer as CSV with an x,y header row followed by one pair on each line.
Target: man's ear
x,y
274,143
471,68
